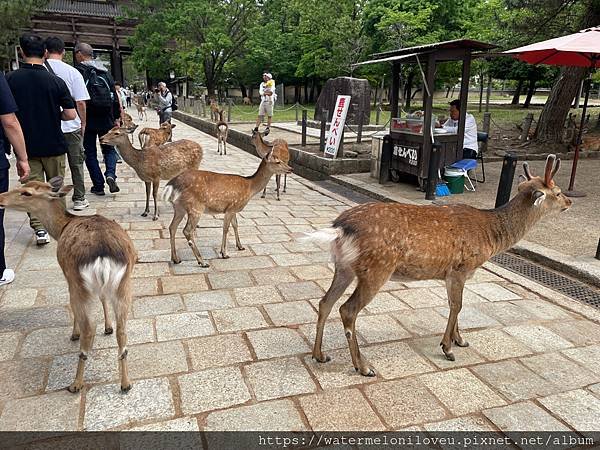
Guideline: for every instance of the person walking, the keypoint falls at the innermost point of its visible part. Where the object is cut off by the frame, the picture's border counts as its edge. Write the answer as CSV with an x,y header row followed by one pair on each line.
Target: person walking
x,y
103,113
73,130
165,103
10,129
267,100
40,96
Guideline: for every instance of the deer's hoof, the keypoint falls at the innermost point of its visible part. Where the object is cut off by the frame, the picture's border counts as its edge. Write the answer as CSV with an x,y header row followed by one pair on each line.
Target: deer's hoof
x,y
449,356
75,388
278,199
461,343
108,330
126,389
176,260
74,337
145,214
224,256
368,373
322,359
204,265
263,196
155,218
241,248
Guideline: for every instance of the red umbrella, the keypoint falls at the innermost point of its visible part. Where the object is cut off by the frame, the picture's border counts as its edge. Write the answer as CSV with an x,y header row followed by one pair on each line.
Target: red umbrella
x,y
579,49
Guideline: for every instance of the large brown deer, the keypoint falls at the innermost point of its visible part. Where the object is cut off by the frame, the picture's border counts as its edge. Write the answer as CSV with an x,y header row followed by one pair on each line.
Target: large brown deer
x,y
222,130
154,163
96,257
196,191
378,241
156,136
279,148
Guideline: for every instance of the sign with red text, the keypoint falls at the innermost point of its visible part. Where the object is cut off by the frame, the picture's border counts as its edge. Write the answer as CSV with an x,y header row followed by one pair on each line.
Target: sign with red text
x,y
337,125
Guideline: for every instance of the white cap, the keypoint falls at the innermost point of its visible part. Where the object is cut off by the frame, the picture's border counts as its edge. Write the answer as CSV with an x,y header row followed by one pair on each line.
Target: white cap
x,y
268,75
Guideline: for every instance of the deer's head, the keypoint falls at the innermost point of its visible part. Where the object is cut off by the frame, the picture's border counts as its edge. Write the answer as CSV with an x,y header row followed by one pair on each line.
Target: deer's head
x,y
128,123
167,126
543,192
34,195
275,165
115,136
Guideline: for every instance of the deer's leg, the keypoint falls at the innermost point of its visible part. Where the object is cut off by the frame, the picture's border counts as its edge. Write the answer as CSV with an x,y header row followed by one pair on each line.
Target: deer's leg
x,y
189,232
155,186
454,288
284,181
76,333
108,328
78,298
226,222
225,145
238,243
147,210
278,182
264,194
178,216
341,280
121,309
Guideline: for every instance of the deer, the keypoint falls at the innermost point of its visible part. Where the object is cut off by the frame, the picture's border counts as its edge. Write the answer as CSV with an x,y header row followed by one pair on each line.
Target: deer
x,y
214,110
280,149
376,242
196,191
222,130
156,136
154,163
96,257
141,108
247,101
128,124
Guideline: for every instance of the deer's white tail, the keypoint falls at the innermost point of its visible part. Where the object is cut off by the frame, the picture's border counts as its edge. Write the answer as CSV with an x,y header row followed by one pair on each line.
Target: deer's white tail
x,y
169,194
343,248
103,276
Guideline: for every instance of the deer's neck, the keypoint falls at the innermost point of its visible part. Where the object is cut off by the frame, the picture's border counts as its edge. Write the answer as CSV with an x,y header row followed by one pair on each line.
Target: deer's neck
x,y
54,218
260,179
513,221
130,154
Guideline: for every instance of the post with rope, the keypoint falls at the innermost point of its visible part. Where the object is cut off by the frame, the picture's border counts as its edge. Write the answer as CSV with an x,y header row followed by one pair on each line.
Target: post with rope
x,y
229,103
304,113
361,115
296,106
526,127
324,116
377,114
487,118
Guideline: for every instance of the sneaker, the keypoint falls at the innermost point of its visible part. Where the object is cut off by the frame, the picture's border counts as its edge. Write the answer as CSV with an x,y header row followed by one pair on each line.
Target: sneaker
x,y
8,276
267,131
97,191
41,237
112,185
79,205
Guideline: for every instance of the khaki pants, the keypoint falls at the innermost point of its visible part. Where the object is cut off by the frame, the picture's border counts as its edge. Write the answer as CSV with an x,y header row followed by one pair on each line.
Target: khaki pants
x,y
43,169
75,157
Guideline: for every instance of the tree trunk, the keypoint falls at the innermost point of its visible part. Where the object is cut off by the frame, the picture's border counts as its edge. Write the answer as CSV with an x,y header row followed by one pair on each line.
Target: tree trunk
x,y
517,96
448,91
305,91
530,92
312,91
244,91
408,88
297,90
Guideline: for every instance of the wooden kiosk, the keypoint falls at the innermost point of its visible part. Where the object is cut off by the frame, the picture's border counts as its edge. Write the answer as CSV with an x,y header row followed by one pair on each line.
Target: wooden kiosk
x,y
408,147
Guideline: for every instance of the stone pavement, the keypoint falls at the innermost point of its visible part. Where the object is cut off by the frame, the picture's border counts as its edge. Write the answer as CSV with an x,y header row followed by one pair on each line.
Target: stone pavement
x,y
228,347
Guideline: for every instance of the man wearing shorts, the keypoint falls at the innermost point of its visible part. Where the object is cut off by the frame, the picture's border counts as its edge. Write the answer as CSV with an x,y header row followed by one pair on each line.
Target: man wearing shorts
x,y
267,100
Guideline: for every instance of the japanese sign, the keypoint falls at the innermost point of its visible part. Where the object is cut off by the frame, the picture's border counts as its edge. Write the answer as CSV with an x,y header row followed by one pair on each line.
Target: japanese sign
x,y
410,154
337,125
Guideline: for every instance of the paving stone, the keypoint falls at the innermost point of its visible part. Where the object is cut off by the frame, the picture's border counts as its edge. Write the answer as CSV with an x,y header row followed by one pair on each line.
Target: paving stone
x,y
145,256
257,295
514,381
184,284
279,378
273,275
271,248
292,259
220,350
595,389
22,377
237,319
386,302
507,313
565,374
58,411
379,328
27,279
151,270
229,280
242,263
347,410
578,408
53,296
185,325
523,417
545,310
183,424
212,389
470,317
154,306
296,246
469,297
290,313
492,292
579,332
48,341
101,366
421,322
148,399
312,272
18,299
395,360
404,402
144,286
588,357
333,335
280,415
467,423
8,345
460,391
139,331
484,276
209,300
538,338
421,298
429,347
277,342
29,319
300,291
495,344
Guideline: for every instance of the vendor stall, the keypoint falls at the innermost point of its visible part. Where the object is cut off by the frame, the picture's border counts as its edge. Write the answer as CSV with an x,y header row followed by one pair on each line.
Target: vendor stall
x,y
408,147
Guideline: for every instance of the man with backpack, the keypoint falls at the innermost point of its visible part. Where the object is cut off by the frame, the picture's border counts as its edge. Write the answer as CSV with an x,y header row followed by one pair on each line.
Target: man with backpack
x,y
103,113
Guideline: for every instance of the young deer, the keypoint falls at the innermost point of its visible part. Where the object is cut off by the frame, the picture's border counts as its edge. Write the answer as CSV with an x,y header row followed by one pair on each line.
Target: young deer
x,y
222,130
279,147
156,136
154,163
214,110
96,257
128,123
376,241
196,191
141,108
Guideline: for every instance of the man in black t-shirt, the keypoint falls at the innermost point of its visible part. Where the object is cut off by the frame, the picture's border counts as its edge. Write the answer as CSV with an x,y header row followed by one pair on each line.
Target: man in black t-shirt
x,y
40,96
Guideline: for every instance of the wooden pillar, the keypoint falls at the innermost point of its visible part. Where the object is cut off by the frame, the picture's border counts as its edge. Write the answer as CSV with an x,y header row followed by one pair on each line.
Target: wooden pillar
x,y
395,90
116,65
464,96
428,92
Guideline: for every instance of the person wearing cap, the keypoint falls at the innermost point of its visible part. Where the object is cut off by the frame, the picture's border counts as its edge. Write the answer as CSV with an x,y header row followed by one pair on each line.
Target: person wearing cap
x,y
469,146
267,100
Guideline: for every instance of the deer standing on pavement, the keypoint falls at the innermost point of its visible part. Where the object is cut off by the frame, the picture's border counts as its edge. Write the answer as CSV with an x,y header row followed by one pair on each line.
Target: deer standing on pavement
x,y
141,108
96,257
222,130
214,110
154,163
156,136
196,191
378,241
280,149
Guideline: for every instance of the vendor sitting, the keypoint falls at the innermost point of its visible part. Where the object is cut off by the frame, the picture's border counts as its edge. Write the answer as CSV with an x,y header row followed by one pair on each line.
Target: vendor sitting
x,y
470,147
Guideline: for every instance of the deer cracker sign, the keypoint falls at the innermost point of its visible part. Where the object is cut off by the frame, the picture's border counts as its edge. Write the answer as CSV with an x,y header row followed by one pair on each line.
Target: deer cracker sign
x,y
410,154
337,125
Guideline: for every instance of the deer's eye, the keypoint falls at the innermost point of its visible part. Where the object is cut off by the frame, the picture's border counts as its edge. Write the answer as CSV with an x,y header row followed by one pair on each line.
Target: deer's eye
x,y
26,194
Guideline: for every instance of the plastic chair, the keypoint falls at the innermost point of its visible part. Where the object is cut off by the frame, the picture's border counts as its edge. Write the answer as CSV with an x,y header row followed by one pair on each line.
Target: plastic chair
x,y
464,165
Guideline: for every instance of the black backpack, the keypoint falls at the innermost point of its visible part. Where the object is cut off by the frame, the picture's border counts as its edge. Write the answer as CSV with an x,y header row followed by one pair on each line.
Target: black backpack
x,y
98,86
174,106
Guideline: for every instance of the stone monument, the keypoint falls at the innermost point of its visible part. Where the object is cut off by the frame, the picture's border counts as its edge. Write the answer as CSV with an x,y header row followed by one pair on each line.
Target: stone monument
x,y
358,88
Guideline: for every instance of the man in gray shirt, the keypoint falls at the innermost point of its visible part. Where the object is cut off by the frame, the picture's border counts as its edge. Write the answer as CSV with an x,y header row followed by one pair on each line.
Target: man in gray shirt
x,y
165,103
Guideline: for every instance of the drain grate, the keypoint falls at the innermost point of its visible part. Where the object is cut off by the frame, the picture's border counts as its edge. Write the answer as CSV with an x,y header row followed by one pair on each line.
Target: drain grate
x,y
564,285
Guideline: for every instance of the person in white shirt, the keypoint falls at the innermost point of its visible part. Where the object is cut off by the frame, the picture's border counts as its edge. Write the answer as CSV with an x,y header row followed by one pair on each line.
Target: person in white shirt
x,y
267,100
73,130
469,145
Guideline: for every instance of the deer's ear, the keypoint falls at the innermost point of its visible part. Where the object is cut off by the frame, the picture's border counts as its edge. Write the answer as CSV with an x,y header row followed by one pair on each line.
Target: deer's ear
x,y
538,197
173,126
522,178
62,192
56,183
